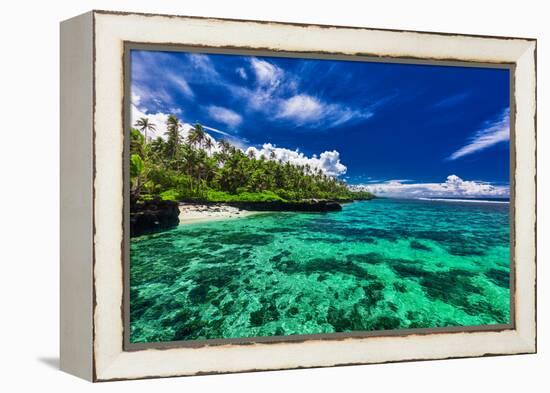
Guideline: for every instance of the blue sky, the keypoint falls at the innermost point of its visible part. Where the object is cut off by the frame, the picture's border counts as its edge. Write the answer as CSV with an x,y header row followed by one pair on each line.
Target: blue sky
x,y
396,128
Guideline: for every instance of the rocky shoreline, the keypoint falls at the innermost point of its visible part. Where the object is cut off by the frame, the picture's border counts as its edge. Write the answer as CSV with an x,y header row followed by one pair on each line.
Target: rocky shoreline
x,y
157,215
152,216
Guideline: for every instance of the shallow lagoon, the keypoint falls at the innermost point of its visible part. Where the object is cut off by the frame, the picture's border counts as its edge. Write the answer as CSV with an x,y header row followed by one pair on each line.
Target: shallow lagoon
x,y
376,265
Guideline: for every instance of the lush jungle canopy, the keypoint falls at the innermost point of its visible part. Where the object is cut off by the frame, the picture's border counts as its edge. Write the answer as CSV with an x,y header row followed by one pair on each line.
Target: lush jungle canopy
x,y
198,168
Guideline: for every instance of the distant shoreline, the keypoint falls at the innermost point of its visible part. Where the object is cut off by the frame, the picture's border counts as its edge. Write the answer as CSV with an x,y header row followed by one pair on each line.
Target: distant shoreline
x,y
466,200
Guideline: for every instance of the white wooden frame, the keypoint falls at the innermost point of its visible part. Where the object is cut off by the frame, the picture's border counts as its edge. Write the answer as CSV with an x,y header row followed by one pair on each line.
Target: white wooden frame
x,y
92,158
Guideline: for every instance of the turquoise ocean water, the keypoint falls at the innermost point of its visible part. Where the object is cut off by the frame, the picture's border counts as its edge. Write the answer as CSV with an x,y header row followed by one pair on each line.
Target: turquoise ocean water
x,y
376,265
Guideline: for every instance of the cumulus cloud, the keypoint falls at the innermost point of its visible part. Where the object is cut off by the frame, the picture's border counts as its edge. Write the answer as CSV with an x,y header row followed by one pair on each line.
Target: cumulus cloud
x,y
328,162
492,132
159,119
301,108
454,186
224,115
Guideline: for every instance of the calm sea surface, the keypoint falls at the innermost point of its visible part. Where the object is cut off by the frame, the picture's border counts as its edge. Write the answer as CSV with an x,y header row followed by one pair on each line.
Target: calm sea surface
x,y
376,265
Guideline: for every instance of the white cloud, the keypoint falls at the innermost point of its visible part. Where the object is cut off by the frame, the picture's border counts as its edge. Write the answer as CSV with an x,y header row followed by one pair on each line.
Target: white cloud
x,y
454,186
136,99
242,73
301,108
153,80
217,131
270,83
276,94
493,132
266,73
224,115
307,110
452,100
156,96
159,119
181,84
328,162
238,142
202,63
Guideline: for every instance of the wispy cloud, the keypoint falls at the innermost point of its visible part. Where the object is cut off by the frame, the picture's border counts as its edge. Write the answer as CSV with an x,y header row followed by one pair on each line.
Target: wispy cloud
x,y
303,109
225,115
237,141
492,132
453,186
204,66
158,89
242,73
180,83
265,88
277,93
217,131
451,100
267,74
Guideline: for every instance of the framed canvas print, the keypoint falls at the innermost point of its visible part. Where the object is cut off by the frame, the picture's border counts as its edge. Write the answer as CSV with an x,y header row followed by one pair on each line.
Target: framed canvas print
x,y
245,195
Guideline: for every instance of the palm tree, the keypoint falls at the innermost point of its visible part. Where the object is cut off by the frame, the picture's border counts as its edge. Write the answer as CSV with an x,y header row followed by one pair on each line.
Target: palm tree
x,y
208,144
143,124
173,126
201,166
157,146
197,136
225,146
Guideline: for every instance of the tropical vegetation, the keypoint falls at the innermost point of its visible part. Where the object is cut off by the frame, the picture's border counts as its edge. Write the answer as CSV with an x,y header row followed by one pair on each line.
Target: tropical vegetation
x,y
199,169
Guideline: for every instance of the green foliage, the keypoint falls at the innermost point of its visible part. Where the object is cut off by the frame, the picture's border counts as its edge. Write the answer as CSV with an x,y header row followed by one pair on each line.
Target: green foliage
x,y
137,142
136,165
170,195
221,196
362,195
178,169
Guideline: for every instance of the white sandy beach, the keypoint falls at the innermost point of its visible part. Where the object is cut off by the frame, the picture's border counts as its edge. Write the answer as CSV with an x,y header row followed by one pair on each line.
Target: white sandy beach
x,y
194,213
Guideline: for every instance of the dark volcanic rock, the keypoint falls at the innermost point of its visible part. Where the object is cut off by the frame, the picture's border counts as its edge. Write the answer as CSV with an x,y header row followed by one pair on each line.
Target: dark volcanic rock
x,y
310,205
152,216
